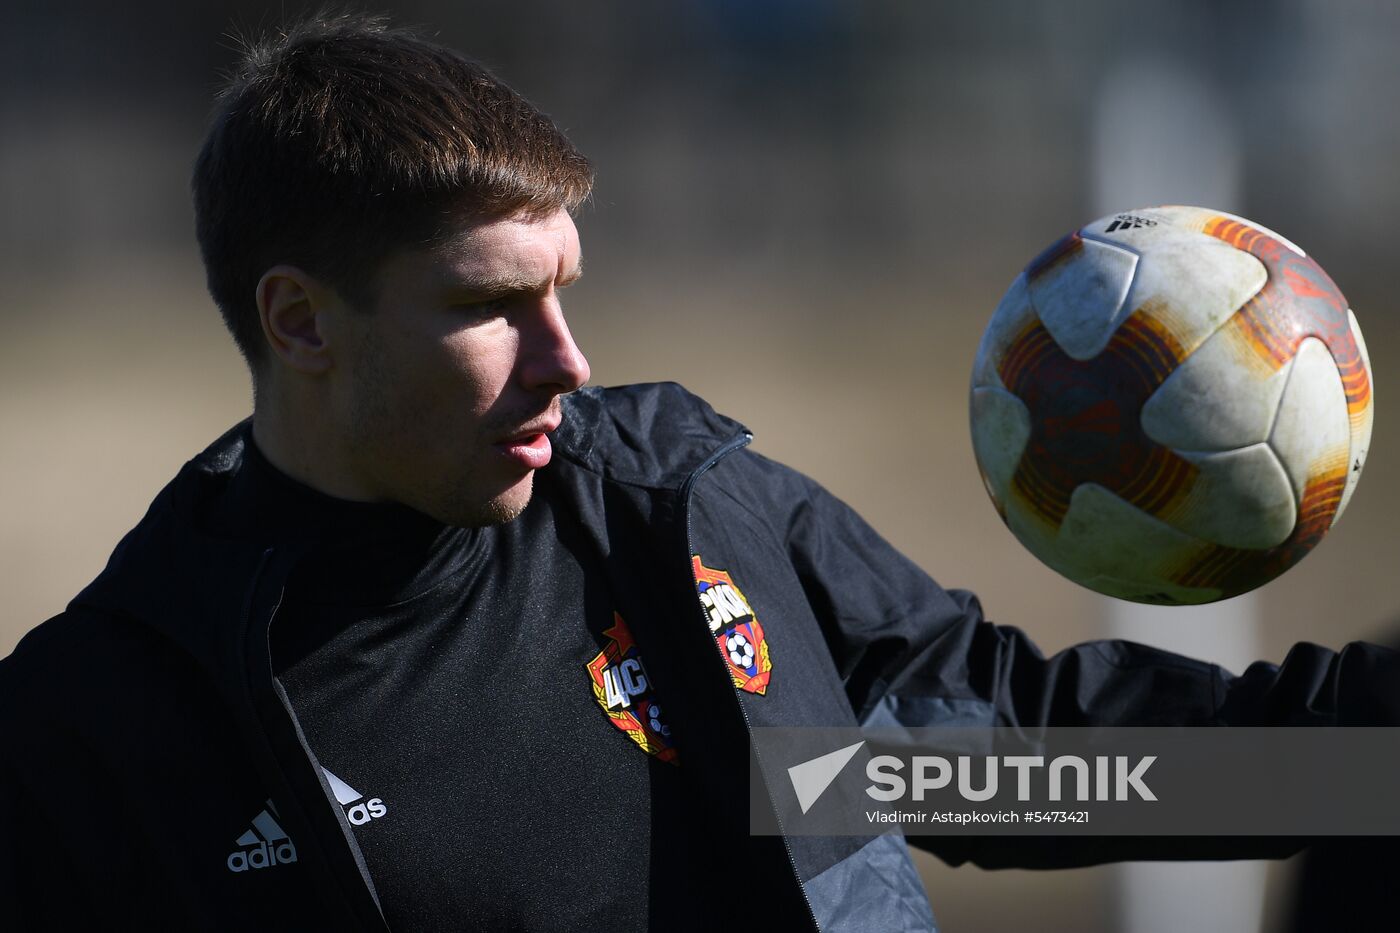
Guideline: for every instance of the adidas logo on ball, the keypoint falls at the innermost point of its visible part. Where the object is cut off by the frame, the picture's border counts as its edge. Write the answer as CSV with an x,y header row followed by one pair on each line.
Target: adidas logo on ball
x,y
1129,222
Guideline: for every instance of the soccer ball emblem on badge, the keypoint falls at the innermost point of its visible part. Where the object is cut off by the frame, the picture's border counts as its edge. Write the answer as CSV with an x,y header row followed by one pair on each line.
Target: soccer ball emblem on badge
x,y
740,650
1171,405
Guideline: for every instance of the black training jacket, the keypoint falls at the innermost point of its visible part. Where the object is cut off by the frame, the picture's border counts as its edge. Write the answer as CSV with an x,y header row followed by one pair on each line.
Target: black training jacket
x,y
142,730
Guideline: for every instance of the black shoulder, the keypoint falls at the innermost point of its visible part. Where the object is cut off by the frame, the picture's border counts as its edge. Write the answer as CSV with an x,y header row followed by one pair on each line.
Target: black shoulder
x,y
83,659
43,649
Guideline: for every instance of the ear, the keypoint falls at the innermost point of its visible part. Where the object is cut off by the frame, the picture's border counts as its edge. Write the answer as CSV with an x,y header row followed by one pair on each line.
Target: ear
x,y
293,307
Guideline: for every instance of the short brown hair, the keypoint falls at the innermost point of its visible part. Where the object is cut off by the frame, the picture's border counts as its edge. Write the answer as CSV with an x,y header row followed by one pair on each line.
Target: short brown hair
x,y
341,140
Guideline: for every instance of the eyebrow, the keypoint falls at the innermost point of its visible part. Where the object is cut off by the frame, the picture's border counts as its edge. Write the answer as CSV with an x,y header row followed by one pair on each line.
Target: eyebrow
x,y
508,283
570,277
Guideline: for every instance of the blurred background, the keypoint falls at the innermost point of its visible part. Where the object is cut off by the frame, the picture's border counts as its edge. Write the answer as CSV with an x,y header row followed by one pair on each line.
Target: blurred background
x,y
806,211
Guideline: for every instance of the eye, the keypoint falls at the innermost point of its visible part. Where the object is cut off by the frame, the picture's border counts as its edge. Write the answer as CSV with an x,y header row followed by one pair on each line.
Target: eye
x,y
487,307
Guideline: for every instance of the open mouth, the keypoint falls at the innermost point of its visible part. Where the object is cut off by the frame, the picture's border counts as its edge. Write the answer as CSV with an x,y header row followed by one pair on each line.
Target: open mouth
x,y
530,450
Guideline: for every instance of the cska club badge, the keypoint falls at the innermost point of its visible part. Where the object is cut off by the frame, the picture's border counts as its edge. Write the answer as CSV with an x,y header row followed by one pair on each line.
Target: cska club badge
x,y
735,627
623,690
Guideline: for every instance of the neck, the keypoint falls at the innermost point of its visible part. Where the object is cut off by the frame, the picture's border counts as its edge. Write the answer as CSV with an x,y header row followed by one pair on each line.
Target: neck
x,y
298,445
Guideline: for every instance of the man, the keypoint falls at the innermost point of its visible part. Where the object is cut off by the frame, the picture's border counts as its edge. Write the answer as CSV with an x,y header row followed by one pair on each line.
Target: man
x,y
439,639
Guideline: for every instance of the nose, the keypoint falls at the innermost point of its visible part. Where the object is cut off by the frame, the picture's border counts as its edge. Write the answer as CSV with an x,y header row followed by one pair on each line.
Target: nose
x,y
549,358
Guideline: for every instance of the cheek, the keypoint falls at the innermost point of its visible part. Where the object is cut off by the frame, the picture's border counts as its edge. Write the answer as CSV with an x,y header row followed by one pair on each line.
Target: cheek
x,y
477,365
421,390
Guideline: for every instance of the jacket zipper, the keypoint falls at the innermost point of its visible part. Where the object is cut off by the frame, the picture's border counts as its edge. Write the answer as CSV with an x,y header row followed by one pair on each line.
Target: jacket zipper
x,y
252,607
687,488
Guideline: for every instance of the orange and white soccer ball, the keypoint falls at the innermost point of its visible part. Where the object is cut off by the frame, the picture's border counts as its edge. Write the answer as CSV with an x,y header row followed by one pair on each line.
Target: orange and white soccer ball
x,y
1171,405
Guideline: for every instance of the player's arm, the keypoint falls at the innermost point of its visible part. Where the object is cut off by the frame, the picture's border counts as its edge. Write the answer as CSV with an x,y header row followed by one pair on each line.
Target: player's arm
x,y
909,651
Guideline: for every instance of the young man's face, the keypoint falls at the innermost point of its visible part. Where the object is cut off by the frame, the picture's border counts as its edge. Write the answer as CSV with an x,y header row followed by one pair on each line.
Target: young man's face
x,y
453,377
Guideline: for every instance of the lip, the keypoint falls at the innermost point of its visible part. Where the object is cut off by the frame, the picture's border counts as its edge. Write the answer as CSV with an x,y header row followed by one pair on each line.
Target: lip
x,y
529,448
543,426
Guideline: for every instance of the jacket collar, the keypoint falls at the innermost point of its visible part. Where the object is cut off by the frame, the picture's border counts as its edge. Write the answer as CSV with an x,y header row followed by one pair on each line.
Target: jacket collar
x,y
655,434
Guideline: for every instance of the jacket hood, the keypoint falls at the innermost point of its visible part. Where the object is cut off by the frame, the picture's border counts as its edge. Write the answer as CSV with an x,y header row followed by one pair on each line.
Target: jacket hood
x,y
173,572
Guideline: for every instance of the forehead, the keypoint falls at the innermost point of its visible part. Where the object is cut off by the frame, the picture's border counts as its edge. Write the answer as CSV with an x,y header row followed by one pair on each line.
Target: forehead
x,y
520,246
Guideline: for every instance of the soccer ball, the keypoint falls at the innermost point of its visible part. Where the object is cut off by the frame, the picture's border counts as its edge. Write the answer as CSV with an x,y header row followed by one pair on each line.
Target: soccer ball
x,y
1171,405
740,651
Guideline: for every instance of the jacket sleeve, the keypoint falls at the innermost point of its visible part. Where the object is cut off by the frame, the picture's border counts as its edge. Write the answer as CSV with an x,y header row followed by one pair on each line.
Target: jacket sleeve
x,y
910,652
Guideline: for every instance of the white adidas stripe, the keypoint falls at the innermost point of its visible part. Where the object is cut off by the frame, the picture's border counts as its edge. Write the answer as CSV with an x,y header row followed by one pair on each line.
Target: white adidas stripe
x,y
344,793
